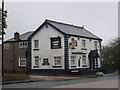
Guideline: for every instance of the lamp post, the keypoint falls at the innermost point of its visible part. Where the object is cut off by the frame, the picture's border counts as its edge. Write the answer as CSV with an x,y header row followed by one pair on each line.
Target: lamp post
x,y
2,37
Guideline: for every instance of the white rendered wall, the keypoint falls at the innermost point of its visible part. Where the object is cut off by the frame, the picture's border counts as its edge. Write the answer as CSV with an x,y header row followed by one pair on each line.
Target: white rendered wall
x,y
45,50
89,46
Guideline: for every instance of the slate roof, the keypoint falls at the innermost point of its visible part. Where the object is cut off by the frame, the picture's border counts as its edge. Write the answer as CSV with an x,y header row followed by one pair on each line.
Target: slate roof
x,y
62,27
68,29
23,36
73,30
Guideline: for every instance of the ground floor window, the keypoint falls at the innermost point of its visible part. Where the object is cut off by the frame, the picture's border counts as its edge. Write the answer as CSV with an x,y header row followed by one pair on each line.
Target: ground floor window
x,y
57,60
84,61
36,62
22,61
73,60
45,61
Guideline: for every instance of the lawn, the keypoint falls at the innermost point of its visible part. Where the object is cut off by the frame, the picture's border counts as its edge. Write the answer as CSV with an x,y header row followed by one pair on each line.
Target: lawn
x,y
16,75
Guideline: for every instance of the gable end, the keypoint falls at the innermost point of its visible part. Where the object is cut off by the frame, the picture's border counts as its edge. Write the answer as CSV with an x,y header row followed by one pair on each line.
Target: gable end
x,y
43,26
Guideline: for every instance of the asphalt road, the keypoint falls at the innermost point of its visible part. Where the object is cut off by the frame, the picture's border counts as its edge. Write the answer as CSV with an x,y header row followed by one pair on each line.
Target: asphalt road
x,y
99,84
110,80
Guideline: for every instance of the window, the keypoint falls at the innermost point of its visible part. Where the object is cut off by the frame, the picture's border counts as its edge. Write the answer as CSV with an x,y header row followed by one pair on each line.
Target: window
x,y
84,60
22,61
56,43
20,44
23,44
36,63
36,44
73,60
83,43
45,61
6,46
57,60
95,44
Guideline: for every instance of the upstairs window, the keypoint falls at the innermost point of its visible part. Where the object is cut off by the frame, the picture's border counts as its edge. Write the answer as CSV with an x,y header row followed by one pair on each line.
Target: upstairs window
x,y
57,60
22,61
83,44
6,46
36,44
95,44
23,44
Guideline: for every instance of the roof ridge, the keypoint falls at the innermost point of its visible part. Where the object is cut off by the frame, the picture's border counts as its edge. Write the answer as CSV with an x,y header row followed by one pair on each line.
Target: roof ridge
x,y
26,33
20,35
64,23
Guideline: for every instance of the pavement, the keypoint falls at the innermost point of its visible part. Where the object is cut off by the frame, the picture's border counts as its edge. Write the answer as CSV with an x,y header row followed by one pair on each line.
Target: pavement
x,y
97,84
40,78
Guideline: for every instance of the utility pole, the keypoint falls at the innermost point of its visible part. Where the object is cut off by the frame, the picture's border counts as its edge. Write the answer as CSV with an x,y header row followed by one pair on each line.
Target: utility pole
x,y
2,37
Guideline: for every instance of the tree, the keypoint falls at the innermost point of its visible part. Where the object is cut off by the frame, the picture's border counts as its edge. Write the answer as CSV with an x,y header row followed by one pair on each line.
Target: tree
x,y
4,20
111,54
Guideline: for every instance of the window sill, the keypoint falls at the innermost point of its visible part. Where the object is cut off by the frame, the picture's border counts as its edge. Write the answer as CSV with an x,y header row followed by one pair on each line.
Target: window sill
x,y
73,66
56,66
21,66
36,66
35,49
23,47
57,48
45,64
83,48
73,48
84,65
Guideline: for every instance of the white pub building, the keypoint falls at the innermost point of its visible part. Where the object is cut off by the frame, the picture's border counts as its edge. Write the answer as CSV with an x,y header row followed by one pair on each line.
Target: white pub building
x,y
57,47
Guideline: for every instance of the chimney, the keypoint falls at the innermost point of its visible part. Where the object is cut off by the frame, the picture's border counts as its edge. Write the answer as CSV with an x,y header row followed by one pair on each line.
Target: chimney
x,y
16,36
82,27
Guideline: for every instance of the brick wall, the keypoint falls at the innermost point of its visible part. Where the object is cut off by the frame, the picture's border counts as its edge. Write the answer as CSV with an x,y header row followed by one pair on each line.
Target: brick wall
x,y
11,58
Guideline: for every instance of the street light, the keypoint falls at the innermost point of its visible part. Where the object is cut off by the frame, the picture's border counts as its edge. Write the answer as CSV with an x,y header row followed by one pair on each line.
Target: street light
x,y
2,37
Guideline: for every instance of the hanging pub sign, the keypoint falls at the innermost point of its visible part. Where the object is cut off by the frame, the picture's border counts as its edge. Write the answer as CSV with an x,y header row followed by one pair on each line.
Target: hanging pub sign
x,y
56,43
74,43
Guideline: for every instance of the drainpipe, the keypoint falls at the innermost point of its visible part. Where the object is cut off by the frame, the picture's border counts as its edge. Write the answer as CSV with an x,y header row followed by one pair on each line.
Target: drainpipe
x,y
100,54
13,58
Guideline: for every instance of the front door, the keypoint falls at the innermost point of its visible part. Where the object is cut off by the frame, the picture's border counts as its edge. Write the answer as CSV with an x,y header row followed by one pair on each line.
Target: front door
x,y
79,59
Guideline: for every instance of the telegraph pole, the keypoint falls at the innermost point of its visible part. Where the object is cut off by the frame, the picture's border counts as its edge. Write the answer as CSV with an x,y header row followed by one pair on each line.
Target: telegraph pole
x,y
2,37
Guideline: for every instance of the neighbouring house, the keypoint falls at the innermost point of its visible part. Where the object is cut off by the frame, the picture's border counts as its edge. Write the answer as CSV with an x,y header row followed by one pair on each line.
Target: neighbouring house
x,y
15,53
57,47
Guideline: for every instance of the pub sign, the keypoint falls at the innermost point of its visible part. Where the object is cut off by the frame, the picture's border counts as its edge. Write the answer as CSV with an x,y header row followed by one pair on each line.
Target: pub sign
x,y
56,43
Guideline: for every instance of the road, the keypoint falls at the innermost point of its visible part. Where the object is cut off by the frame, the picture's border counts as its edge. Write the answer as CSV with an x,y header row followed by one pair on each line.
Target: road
x,y
99,82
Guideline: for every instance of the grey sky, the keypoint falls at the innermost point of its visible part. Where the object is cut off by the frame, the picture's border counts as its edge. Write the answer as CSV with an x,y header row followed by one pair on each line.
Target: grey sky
x,y
99,18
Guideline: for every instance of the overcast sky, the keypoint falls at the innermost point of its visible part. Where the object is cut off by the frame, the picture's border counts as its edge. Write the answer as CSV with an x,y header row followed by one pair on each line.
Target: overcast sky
x,y
100,18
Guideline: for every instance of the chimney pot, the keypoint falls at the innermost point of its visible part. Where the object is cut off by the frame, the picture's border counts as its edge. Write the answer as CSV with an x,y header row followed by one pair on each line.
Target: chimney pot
x,y
16,36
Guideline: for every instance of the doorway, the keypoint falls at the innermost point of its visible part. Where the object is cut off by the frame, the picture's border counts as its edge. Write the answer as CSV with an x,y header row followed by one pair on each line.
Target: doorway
x,y
79,59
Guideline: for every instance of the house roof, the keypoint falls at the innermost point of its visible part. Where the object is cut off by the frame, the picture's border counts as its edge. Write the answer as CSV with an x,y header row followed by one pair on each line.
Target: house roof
x,y
69,29
23,36
73,30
